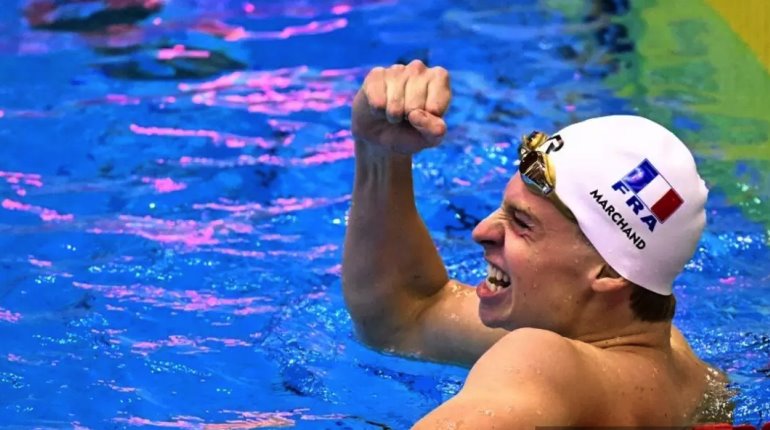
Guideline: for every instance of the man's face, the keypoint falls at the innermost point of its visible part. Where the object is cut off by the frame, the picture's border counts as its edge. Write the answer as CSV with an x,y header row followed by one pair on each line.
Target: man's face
x,y
541,253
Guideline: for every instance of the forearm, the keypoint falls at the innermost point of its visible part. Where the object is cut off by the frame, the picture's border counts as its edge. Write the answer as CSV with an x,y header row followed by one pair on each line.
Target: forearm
x,y
390,264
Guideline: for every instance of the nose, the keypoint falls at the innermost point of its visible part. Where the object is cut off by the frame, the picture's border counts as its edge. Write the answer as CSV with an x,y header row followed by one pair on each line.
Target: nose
x,y
489,232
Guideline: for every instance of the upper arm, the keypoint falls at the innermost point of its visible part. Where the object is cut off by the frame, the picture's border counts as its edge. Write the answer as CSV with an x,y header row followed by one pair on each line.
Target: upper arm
x,y
528,379
448,328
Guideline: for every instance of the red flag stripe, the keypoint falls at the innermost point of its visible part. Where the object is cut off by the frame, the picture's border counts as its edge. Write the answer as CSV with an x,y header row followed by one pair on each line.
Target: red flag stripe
x,y
667,205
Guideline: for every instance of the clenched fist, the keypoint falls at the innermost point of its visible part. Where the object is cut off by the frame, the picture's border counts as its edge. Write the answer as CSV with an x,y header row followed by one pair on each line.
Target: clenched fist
x,y
400,109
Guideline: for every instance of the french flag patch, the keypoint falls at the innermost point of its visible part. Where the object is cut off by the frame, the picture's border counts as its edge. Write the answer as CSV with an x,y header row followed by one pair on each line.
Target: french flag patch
x,y
653,190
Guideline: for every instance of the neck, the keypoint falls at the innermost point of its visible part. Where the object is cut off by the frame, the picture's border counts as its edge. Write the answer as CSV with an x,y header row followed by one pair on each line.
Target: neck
x,y
637,335
606,321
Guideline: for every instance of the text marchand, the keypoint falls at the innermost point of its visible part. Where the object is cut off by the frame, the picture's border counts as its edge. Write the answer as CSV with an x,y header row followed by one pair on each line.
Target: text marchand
x,y
618,219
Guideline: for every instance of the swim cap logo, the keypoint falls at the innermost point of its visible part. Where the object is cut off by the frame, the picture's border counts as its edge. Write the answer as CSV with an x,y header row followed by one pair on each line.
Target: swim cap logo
x,y
653,198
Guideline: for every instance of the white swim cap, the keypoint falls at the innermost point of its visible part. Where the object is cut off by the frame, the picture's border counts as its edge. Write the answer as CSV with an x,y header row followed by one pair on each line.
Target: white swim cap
x,y
637,196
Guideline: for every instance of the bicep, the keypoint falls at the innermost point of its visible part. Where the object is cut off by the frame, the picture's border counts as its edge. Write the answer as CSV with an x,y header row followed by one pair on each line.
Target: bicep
x,y
449,329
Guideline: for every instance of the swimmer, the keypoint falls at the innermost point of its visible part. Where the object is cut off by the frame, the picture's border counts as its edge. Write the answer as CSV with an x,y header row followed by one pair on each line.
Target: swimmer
x,y
573,324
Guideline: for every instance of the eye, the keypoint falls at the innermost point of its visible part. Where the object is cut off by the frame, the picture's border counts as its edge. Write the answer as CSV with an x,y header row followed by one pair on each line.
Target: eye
x,y
520,223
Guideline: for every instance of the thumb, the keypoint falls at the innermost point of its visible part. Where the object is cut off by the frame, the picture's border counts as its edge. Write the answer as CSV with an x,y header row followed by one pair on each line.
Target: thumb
x,y
431,127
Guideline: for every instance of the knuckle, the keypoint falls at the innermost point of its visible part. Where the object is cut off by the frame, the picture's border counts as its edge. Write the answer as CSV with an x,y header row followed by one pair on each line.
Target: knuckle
x,y
375,73
440,72
375,100
416,65
395,74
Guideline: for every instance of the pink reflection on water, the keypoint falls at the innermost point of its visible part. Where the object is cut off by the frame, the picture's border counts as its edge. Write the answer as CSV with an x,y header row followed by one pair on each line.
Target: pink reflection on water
x,y
39,263
44,213
183,300
310,254
216,137
313,27
194,345
122,99
77,426
335,270
251,420
340,9
285,126
13,358
278,92
137,421
280,237
186,232
164,185
279,206
220,82
180,51
730,280
15,178
113,385
320,154
8,316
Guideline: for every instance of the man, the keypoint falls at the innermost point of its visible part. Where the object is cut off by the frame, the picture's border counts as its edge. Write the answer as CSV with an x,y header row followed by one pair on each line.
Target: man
x,y
573,324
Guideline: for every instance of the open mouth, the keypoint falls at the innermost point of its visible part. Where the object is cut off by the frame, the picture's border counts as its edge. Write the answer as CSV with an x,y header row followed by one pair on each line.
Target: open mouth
x,y
497,278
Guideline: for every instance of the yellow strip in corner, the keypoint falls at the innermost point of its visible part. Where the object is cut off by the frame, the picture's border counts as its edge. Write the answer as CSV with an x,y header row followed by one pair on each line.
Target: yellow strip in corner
x,y
749,19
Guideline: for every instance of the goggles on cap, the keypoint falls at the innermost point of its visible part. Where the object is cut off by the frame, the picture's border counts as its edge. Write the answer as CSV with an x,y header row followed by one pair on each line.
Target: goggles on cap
x,y
537,171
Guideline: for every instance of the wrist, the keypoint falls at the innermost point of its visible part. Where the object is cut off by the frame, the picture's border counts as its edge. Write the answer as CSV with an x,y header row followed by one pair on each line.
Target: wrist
x,y
379,157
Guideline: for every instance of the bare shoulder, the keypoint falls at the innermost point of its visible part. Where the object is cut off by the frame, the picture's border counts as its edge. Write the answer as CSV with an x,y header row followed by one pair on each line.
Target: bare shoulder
x,y
532,356
529,378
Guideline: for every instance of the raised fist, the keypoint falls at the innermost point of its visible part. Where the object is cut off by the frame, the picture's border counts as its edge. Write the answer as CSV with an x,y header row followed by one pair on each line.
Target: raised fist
x,y
399,109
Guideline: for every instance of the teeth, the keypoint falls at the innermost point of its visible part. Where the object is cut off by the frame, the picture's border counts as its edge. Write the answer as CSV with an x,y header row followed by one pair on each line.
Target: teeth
x,y
492,287
493,273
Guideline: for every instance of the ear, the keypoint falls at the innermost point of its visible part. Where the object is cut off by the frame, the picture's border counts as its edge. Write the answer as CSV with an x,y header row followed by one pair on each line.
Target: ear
x,y
608,280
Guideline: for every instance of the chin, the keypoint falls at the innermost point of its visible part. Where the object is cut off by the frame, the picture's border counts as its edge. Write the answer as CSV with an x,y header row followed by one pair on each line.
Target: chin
x,y
492,319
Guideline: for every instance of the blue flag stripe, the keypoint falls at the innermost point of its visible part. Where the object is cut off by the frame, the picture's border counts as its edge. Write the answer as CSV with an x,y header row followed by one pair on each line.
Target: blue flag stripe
x,y
641,176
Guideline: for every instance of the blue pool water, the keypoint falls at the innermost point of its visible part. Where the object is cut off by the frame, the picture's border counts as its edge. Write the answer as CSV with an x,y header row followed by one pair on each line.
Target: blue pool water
x,y
174,194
